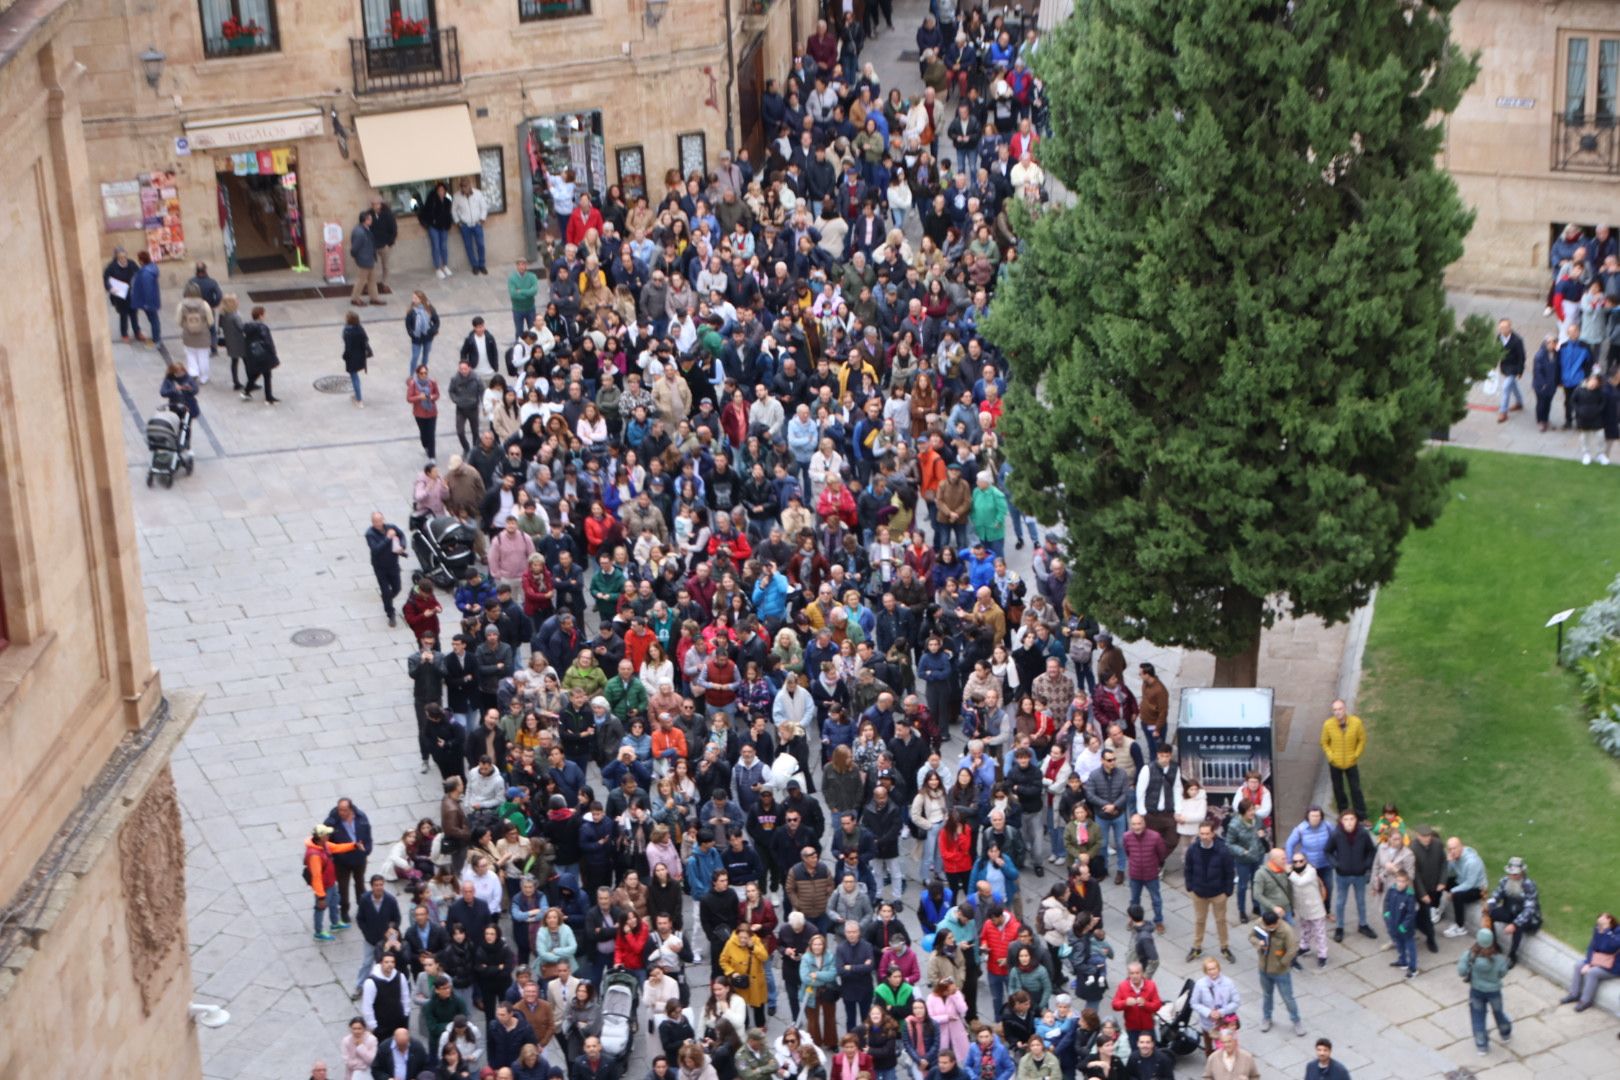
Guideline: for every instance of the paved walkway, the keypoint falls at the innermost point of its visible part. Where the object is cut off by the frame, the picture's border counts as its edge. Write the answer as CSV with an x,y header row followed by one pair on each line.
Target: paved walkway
x,y
264,541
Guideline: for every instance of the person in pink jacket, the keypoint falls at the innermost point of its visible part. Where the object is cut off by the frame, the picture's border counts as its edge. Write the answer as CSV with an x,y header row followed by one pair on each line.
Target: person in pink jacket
x,y
509,555
947,1008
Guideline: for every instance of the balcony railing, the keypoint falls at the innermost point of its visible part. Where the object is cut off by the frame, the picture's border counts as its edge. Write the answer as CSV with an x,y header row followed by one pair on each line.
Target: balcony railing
x,y
385,64
219,47
539,10
1586,144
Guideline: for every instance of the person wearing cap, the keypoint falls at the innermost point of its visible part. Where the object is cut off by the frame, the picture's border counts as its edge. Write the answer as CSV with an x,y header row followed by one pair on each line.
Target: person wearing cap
x,y
953,503
1515,908
321,875
1483,968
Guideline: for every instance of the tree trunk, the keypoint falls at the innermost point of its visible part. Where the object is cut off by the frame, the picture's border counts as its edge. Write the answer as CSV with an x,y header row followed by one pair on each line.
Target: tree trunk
x,y
1242,610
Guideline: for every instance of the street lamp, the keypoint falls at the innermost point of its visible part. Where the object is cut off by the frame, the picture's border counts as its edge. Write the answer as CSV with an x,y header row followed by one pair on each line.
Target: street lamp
x,y
655,12
152,65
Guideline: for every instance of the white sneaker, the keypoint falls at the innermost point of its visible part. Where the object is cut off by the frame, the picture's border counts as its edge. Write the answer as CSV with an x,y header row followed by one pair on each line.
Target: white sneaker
x,y
1546,311
439,273
1603,459
1455,931
1586,459
448,272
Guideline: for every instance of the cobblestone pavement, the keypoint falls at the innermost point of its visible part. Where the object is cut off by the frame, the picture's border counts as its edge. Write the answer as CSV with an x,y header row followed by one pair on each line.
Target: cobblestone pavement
x,y
265,541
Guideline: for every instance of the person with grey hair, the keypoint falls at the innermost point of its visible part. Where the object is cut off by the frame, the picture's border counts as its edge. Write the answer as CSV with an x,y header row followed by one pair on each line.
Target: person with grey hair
x,y
1515,907
989,513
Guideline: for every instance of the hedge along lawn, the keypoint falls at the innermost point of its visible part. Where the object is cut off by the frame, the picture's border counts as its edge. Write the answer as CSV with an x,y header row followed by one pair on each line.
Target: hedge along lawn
x,y
1472,726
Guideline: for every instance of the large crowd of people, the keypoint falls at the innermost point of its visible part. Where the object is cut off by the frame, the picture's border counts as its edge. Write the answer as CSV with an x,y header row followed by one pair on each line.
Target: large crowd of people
x,y
743,693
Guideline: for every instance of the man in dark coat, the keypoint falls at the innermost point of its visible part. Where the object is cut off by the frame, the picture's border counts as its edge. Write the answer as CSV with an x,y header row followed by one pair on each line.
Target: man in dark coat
x,y
400,1048
387,545
384,234
350,825
1512,366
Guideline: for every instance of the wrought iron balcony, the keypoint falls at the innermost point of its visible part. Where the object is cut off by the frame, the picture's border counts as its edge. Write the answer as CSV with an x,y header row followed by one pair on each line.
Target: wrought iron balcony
x,y
386,64
1586,144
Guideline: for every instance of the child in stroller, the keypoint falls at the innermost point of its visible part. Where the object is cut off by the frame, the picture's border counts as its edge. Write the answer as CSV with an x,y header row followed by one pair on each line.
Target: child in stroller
x,y
179,389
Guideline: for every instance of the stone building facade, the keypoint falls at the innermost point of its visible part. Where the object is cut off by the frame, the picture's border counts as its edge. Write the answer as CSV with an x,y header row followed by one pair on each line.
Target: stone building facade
x,y
92,883
272,135
1535,143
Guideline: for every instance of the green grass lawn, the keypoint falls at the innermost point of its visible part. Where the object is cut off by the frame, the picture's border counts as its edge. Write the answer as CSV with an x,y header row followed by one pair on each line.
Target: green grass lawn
x,y
1472,725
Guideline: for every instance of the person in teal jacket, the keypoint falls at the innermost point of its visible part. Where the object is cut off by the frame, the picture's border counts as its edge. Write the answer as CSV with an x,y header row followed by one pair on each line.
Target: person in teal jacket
x,y
522,286
1483,968
989,513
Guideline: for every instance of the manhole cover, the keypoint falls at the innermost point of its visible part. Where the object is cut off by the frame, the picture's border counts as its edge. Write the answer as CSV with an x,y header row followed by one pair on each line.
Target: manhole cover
x,y
909,56
334,384
312,636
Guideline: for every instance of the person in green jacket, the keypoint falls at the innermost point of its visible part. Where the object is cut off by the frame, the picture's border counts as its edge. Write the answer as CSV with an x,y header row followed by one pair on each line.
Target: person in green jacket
x,y
441,1009
1483,968
607,585
1243,836
522,286
626,694
989,513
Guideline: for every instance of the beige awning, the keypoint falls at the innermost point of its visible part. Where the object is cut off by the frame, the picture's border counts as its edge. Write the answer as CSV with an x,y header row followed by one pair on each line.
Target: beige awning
x,y
420,144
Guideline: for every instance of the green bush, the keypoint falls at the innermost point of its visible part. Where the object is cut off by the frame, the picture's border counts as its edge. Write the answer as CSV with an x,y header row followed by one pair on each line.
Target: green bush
x,y
1600,622
1593,647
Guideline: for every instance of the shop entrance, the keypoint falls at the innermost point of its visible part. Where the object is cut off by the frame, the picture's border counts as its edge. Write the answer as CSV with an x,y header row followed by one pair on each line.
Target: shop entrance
x,y
259,210
549,145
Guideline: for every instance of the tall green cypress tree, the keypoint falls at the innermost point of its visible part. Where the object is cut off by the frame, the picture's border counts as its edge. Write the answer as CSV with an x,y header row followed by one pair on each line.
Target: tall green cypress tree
x,y
1229,352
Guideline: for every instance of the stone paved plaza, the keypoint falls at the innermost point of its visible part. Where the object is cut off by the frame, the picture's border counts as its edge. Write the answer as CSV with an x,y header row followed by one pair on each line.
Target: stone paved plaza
x,y
265,541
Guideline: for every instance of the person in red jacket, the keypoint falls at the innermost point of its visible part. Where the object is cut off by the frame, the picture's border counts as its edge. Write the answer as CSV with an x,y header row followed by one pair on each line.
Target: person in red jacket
x,y
996,937
321,873
584,218
836,501
1138,999
630,945
956,852
720,680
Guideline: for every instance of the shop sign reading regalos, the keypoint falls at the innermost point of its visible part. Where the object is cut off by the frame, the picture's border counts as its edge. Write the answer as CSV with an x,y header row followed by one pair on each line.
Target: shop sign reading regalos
x,y
253,130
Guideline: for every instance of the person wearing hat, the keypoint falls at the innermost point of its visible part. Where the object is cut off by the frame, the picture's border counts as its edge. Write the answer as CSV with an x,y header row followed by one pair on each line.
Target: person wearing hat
x,y
1515,909
953,503
320,873
1483,967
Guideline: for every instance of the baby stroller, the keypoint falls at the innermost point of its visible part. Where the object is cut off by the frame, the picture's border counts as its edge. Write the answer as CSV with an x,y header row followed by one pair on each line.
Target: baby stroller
x,y
444,547
168,436
620,993
1177,1031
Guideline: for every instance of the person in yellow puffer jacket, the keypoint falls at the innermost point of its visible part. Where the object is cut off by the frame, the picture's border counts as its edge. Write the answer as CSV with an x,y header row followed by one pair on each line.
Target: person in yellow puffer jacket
x,y
321,874
1344,738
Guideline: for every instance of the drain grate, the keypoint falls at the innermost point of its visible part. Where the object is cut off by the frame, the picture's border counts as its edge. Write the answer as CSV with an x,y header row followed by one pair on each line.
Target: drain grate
x,y
313,636
909,56
334,384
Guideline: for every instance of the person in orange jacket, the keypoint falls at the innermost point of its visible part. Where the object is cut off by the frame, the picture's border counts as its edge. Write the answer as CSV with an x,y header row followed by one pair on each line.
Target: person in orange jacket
x,y
321,874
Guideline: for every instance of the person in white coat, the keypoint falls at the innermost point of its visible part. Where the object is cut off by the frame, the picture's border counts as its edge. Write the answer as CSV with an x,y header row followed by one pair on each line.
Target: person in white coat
x,y
468,210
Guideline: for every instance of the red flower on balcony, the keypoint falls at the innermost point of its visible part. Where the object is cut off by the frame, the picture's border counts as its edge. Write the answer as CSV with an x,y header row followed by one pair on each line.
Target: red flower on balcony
x,y
401,27
234,28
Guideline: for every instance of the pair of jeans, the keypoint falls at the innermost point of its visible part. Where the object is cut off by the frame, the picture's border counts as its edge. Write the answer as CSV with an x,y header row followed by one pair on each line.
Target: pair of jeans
x,y
1510,392
419,355
1029,827
1113,832
427,428
928,863
998,993
1405,947
1054,833
152,321
439,243
1282,984
1583,986
948,535
1245,880
1018,522
354,381
1478,1002
892,871
388,585
472,238
466,418
1325,873
521,321
1347,883
1152,886
331,908
855,1010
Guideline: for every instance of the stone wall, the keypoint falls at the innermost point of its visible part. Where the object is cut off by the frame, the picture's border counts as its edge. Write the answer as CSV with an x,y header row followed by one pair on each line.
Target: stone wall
x,y
650,84
1499,141
77,675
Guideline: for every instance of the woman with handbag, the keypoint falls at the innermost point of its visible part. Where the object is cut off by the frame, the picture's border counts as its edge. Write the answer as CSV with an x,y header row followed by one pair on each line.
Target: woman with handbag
x,y
259,357
356,351
743,961
1598,964
818,974
423,395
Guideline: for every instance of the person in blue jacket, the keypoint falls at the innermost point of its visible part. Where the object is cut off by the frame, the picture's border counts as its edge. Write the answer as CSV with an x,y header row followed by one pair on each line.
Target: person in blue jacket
x,y
702,864
980,562
1544,379
988,1049
770,596
145,296
1000,871
1588,975
1574,365
1311,836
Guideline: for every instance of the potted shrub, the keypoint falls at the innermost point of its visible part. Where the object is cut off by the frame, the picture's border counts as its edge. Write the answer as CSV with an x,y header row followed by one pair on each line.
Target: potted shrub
x,y
240,35
407,31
